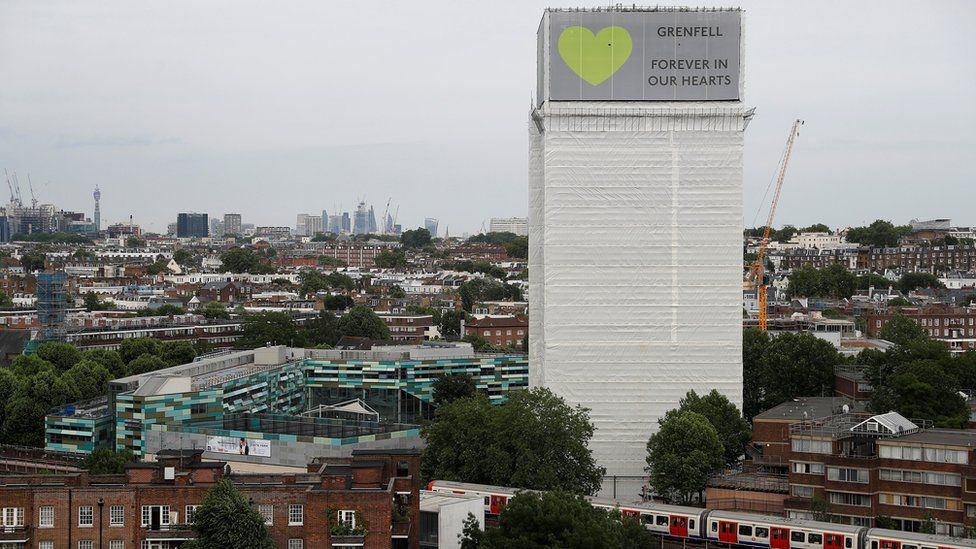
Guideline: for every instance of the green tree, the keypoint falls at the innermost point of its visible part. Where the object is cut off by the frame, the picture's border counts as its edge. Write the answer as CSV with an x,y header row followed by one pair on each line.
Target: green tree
x,y
23,423
183,256
62,355
450,324
899,302
146,363
239,260
361,321
89,378
478,343
492,238
785,367
33,261
486,289
272,328
923,389
902,330
327,261
110,360
130,349
322,330
92,303
449,388
555,519
879,234
105,461
6,302
29,365
682,454
733,429
533,440
134,242
821,509
416,238
396,292
337,302
866,281
832,281
909,282
215,309
816,228
226,520
518,248
390,259
175,353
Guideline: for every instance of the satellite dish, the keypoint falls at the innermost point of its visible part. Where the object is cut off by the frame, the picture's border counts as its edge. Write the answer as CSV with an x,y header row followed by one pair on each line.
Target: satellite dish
x,y
846,409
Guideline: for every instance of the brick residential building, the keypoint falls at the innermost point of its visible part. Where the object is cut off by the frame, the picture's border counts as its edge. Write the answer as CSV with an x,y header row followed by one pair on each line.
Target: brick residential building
x,y
504,332
407,329
904,258
864,467
954,325
370,500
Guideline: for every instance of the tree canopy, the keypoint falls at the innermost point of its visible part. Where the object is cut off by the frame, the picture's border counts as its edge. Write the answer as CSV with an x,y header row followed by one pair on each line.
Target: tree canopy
x,y
226,520
105,461
243,260
390,259
909,282
269,328
533,440
832,281
33,261
486,289
557,520
733,430
361,321
448,388
682,454
415,238
781,368
518,248
879,234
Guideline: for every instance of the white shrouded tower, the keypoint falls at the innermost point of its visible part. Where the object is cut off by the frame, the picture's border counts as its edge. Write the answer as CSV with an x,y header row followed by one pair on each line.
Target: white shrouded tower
x,y
635,218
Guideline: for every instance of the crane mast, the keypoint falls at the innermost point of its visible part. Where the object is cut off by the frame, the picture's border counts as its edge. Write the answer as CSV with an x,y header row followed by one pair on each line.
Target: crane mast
x,y
758,266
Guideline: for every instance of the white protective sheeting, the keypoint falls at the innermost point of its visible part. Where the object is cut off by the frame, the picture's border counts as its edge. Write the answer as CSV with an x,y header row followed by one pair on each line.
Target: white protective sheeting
x,y
635,262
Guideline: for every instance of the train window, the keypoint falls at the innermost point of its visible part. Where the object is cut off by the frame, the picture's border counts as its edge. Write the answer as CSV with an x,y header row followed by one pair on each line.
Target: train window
x,y
799,537
661,520
714,527
691,524
647,519
487,502
909,547
762,532
848,543
815,539
745,530
874,545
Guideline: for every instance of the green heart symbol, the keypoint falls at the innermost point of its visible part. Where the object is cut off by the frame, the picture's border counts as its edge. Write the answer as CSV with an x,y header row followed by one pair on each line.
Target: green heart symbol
x,y
594,58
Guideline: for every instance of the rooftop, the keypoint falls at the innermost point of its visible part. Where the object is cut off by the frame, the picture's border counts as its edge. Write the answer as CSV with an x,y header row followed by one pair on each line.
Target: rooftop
x,y
948,437
808,408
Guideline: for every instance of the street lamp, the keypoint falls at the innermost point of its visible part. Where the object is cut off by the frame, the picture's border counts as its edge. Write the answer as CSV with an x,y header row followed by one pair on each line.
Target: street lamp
x,y
101,505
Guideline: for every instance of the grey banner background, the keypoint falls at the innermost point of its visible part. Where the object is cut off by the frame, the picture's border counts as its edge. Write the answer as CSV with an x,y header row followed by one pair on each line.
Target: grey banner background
x,y
630,82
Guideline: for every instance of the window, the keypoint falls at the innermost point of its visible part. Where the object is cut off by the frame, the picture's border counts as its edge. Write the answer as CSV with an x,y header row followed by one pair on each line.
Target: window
x,y
267,511
45,545
808,468
86,544
116,515
198,409
762,532
403,469
812,446
498,332
714,527
86,517
155,516
940,479
190,514
799,537
661,520
745,530
116,544
13,517
296,543
801,491
847,498
296,514
919,453
847,475
46,517
347,518
815,539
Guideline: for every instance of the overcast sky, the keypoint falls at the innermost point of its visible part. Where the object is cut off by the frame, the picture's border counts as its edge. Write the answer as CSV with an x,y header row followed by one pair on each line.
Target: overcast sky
x,y
274,108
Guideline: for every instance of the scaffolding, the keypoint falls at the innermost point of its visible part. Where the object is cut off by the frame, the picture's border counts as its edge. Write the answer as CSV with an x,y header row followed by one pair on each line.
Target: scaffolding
x,y
51,307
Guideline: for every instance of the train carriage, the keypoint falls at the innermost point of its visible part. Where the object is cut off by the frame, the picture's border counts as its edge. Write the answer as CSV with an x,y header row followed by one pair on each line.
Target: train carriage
x,y
780,533
670,520
879,538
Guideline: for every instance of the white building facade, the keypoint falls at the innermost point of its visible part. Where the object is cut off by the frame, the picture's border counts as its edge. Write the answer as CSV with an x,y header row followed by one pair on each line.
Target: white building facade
x,y
635,246
516,225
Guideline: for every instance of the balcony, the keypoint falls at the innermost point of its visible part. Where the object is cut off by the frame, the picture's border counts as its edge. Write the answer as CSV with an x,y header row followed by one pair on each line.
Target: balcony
x,y
14,534
400,527
342,541
170,532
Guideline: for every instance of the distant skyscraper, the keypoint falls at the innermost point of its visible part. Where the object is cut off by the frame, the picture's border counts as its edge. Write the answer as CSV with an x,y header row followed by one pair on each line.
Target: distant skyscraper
x,y
216,228
371,222
361,219
232,224
516,225
300,224
190,225
346,226
313,225
335,224
388,224
98,212
171,229
431,225
325,221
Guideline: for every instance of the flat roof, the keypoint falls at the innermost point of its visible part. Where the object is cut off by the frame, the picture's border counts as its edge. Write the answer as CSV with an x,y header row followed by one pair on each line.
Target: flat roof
x,y
947,437
431,502
805,408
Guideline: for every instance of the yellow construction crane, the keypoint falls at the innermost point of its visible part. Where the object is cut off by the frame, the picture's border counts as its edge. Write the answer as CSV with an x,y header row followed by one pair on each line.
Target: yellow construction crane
x,y
757,268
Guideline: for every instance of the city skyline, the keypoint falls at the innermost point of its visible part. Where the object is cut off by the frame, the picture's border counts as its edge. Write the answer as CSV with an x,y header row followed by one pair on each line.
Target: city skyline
x,y
133,130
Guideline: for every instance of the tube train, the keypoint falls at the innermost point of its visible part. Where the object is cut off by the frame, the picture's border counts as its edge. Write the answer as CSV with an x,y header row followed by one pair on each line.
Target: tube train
x,y
732,527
